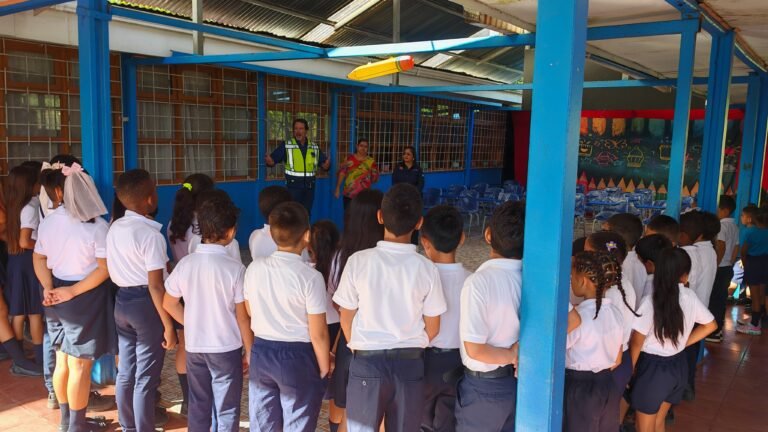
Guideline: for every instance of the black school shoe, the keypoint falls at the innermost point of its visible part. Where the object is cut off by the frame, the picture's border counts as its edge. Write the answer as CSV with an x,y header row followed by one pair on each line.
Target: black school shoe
x,y
19,371
161,417
98,403
715,337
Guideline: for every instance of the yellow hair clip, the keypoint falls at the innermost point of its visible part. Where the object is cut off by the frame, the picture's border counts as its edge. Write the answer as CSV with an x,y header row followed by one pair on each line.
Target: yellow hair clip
x,y
187,186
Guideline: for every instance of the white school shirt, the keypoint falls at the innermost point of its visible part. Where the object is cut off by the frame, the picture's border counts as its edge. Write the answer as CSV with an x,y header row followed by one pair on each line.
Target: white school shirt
x,y
211,283
281,291
627,316
729,233
694,312
703,270
392,287
594,345
452,277
648,291
261,244
30,216
180,248
70,246
490,308
135,247
232,248
636,273
331,314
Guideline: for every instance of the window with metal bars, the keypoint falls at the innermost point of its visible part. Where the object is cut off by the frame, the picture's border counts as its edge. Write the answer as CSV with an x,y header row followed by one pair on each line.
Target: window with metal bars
x,y
40,103
387,121
443,135
197,119
489,136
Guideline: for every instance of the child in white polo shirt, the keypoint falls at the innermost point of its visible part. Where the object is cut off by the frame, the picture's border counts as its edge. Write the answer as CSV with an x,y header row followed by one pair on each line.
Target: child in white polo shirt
x,y
490,328
727,249
217,324
136,259
441,234
391,299
261,243
290,358
630,228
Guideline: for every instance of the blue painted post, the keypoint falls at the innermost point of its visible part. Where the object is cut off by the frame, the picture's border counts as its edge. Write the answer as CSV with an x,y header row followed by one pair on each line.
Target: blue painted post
x,y
746,169
261,109
417,129
680,121
334,144
468,146
95,101
761,133
715,119
557,92
130,112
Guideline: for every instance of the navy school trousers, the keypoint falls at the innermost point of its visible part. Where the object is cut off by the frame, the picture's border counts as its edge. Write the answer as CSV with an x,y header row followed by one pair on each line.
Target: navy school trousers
x,y
285,391
439,395
486,404
140,339
591,402
215,385
387,386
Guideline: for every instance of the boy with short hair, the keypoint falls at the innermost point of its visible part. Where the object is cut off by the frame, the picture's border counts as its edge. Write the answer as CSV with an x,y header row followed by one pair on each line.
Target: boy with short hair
x,y
214,315
630,228
391,299
664,225
290,357
490,328
136,259
727,250
260,242
441,234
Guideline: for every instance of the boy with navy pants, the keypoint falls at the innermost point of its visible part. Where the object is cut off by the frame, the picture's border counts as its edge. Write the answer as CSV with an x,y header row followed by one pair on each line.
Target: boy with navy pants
x,y
216,322
136,259
391,299
290,358
489,328
441,234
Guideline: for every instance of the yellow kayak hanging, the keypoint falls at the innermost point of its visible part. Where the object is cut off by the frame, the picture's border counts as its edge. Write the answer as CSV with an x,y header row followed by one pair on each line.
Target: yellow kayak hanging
x,y
382,68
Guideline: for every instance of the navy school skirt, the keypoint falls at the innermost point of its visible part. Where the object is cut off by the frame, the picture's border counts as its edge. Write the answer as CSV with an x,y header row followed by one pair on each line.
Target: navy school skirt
x,y
657,380
22,289
84,327
756,270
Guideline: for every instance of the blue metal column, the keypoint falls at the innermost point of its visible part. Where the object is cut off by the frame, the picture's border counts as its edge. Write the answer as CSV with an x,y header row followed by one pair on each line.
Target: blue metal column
x,y
95,101
469,145
680,121
746,169
261,110
715,119
130,112
557,92
761,132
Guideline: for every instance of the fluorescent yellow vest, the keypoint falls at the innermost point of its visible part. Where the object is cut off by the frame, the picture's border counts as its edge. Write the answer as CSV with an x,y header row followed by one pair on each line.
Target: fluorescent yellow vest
x,y
297,164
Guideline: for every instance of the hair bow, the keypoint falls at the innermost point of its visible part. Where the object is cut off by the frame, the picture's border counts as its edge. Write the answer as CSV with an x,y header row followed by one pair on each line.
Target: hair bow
x,y
611,245
75,168
187,186
53,166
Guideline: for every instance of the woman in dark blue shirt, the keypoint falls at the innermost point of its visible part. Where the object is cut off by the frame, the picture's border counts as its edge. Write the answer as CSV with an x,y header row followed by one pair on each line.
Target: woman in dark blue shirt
x,y
408,170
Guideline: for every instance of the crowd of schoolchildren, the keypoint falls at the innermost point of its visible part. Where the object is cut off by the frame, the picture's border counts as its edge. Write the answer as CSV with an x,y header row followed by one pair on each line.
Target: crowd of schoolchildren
x,y
392,337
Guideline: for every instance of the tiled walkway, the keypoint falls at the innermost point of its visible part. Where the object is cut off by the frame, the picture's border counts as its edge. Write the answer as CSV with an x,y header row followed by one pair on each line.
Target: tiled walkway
x,y
730,397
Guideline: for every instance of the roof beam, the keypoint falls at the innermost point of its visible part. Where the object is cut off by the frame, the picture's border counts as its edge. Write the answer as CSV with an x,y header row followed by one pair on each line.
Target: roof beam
x,y
13,7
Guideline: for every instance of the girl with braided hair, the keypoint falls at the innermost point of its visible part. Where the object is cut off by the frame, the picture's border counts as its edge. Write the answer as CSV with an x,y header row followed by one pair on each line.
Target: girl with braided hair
x,y
593,349
666,326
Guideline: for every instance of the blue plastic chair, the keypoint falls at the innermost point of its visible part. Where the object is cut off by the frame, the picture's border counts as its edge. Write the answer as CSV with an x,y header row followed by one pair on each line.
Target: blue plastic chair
x,y
431,198
580,212
480,188
469,206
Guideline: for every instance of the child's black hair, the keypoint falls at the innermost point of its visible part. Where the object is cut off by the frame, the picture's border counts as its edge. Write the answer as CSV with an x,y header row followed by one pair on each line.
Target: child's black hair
x,y
134,186
401,209
578,245
692,225
216,215
711,225
668,319
185,202
35,166
666,226
270,197
727,203
323,244
288,222
649,247
443,226
604,271
361,228
19,190
52,179
628,226
609,241
507,228
118,209
66,159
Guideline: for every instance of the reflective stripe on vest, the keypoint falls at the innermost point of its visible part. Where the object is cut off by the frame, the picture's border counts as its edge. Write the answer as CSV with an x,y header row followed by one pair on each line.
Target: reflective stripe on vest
x,y
296,164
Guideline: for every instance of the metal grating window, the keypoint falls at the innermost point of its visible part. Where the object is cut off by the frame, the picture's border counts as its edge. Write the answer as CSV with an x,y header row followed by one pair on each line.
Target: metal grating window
x,y
387,121
40,103
443,135
289,99
489,137
197,119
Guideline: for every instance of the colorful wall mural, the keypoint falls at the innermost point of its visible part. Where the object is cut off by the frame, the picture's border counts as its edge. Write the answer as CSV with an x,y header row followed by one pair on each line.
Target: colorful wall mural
x,y
632,153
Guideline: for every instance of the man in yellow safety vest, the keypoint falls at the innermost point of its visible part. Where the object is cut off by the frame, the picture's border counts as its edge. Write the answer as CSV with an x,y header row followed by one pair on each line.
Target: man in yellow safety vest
x,y
302,159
